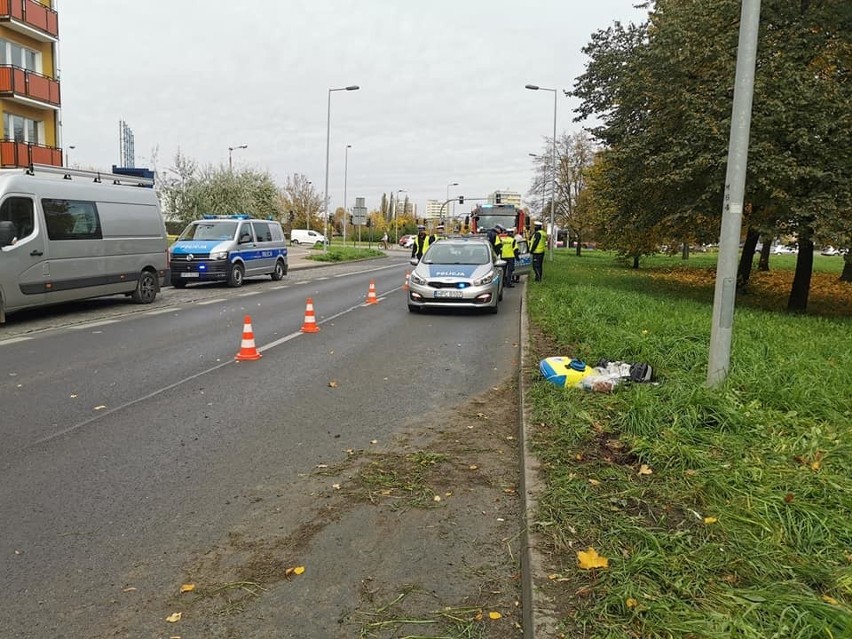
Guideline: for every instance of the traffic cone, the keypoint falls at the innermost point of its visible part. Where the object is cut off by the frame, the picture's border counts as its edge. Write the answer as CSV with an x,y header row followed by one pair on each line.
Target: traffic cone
x,y
407,277
248,350
371,294
310,325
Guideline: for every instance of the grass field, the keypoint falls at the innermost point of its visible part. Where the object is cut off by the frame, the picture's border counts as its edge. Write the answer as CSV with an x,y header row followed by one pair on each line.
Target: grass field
x,y
723,513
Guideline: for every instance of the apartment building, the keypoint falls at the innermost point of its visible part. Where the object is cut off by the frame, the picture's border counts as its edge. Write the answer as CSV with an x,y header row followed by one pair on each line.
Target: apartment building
x,y
506,197
29,85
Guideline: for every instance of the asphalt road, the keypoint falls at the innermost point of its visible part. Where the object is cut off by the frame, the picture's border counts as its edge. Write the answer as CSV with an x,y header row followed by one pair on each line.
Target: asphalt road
x,y
129,434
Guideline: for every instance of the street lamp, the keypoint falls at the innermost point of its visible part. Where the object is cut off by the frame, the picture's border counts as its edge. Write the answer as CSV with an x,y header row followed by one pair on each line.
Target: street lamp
x,y
307,210
534,87
67,161
448,196
345,179
353,87
231,150
396,215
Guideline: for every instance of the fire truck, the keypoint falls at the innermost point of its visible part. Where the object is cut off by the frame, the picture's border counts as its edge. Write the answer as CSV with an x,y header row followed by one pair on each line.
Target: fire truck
x,y
487,216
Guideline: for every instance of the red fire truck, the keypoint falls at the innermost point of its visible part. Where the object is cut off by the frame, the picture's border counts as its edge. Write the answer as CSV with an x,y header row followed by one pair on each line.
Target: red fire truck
x,y
487,216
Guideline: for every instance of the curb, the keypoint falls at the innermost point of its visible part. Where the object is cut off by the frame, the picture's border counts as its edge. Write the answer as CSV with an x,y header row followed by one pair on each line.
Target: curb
x,y
538,615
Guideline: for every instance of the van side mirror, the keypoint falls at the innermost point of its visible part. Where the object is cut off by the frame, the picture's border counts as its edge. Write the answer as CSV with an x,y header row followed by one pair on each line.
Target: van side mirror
x,y
245,238
7,233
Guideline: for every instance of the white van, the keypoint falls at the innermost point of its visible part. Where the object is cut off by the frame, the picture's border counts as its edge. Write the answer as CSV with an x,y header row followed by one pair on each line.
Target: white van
x,y
68,234
307,236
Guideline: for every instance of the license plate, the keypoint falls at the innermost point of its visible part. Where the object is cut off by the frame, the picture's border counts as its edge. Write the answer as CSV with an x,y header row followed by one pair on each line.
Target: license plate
x,y
448,293
189,274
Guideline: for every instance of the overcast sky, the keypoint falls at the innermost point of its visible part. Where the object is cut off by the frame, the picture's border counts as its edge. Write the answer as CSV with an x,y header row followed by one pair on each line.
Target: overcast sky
x,y
442,95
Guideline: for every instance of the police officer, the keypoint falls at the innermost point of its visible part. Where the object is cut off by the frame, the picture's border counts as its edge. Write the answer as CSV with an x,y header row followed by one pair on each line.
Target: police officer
x,y
493,236
439,231
508,253
421,242
539,244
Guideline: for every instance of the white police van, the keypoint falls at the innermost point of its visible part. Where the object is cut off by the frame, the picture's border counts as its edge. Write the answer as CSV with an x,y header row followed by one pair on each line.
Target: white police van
x,y
228,248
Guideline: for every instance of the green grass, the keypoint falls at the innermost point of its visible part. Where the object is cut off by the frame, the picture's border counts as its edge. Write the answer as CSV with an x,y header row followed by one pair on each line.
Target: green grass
x,y
768,455
343,254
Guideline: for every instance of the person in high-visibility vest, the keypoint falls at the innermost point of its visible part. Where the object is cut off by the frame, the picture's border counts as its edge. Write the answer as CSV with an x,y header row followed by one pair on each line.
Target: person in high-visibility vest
x,y
421,242
508,252
539,244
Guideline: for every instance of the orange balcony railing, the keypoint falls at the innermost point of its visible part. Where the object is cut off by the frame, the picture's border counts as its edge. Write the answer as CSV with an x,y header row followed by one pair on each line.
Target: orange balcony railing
x,y
18,82
32,14
24,154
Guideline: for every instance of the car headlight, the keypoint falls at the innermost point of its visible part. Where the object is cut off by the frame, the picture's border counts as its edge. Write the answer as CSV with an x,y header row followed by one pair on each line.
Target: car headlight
x,y
221,255
487,279
416,279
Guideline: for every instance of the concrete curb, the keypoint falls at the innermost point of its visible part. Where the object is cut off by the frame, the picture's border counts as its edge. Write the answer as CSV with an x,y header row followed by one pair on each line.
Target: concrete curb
x,y
539,617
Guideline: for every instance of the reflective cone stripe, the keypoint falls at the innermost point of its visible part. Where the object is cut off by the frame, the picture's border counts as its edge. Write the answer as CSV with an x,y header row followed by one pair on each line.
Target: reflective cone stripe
x,y
407,276
371,294
248,351
310,324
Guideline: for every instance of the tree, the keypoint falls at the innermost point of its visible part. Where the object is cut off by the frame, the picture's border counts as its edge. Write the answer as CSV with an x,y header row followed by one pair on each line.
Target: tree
x,y
298,195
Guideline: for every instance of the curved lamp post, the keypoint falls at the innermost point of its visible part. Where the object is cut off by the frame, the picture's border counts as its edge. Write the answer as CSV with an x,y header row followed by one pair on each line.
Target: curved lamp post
x,y
353,87
448,197
535,87
231,150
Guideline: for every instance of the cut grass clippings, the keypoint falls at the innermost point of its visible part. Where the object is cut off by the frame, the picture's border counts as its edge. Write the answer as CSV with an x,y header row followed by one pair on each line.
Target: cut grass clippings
x,y
743,526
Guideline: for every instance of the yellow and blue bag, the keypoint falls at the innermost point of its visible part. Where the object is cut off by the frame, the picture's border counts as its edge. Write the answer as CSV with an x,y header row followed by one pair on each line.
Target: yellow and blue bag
x,y
565,372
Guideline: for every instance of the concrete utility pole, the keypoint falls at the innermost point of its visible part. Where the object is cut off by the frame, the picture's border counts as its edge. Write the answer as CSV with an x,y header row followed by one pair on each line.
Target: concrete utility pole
x,y
732,208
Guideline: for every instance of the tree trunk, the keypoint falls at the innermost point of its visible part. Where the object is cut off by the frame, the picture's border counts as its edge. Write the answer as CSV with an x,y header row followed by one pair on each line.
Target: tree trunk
x,y
766,247
798,302
635,261
747,259
685,251
579,244
846,275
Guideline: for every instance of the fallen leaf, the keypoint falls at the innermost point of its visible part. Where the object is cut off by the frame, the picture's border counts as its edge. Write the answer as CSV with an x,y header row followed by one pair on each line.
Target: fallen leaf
x,y
553,576
631,602
374,441
690,473
332,384
187,587
495,615
789,497
594,482
710,520
73,396
478,616
322,466
436,498
473,467
101,407
589,559
336,486
298,570
830,600
482,416
174,617
128,589
645,469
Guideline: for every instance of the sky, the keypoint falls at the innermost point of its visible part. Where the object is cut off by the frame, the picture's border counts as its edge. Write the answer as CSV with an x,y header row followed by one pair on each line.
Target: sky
x,y
441,96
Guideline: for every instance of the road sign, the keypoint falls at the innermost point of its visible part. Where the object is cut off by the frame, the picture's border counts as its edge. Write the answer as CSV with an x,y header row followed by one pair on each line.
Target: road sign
x,y
359,213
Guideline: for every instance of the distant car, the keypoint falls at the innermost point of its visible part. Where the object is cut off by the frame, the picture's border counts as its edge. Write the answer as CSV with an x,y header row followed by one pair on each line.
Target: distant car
x,y
830,250
407,241
457,273
784,250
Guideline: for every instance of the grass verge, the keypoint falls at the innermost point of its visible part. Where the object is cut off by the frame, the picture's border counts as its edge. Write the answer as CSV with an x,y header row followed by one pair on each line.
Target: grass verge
x,y
740,524
344,254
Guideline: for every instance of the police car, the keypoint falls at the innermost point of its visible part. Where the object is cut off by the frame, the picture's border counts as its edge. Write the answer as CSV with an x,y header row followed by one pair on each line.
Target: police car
x,y
457,273
228,248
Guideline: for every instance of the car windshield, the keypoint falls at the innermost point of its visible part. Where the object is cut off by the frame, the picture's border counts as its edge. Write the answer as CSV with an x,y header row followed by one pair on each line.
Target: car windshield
x,y
209,231
457,254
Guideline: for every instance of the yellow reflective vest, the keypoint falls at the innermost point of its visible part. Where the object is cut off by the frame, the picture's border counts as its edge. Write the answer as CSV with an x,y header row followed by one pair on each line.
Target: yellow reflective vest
x,y
539,242
508,245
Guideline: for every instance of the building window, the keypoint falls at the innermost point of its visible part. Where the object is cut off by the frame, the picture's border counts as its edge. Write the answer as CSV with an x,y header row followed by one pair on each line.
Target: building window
x,y
18,56
71,220
17,128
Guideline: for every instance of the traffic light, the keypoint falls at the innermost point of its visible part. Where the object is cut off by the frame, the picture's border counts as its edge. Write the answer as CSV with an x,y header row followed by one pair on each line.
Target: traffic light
x,y
498,197
461,199
292,217
369,222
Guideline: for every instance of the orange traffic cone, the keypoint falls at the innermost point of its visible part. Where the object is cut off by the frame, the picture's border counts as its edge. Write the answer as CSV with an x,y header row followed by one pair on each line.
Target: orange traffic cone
x,y
310,325
247,348
407,277
371,294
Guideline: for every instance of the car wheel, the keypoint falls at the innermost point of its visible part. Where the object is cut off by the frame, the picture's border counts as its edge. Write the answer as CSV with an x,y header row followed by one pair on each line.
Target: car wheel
x,y
179,283
146,288
413,309
296,242
279,271
494,309
235,277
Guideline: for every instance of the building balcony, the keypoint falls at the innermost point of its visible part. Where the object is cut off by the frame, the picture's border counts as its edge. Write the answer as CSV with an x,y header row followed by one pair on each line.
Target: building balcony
x,y
28,87
23,154
30,18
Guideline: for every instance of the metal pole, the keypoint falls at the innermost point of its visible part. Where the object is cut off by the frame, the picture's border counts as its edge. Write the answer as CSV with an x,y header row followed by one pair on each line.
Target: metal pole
x,y
230,160
553,189
327,141
732,208
345,180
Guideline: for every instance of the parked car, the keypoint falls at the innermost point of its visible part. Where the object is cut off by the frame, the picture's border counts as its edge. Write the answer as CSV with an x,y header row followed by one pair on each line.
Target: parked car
x,y
830,250
307,236
780,249
457,273
407,241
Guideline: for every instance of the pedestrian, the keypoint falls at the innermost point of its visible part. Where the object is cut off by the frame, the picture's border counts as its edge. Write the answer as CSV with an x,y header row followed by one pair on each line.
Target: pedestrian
x,y
508,252
493,236
385,241
421,242
539,244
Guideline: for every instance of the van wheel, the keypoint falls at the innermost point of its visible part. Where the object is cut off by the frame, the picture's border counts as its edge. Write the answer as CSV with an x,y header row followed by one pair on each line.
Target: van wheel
x,y
279,272
146,288
235,278
296,242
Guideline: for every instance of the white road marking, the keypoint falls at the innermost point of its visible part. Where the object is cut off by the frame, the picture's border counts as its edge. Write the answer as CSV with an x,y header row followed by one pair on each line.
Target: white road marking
x,y
14,340
83,327
213,301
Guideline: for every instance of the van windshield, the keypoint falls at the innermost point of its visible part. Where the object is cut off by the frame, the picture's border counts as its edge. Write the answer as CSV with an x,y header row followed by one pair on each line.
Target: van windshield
x,y
209,231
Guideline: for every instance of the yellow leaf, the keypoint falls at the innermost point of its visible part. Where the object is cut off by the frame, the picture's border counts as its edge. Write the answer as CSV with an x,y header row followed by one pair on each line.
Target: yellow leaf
x,y
332,384
473,467
830,600
174,617
644,469
478,616
816,465
590,559
436,498
187,587
594,482
336,486
495,615
298,570
631,602
710,520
